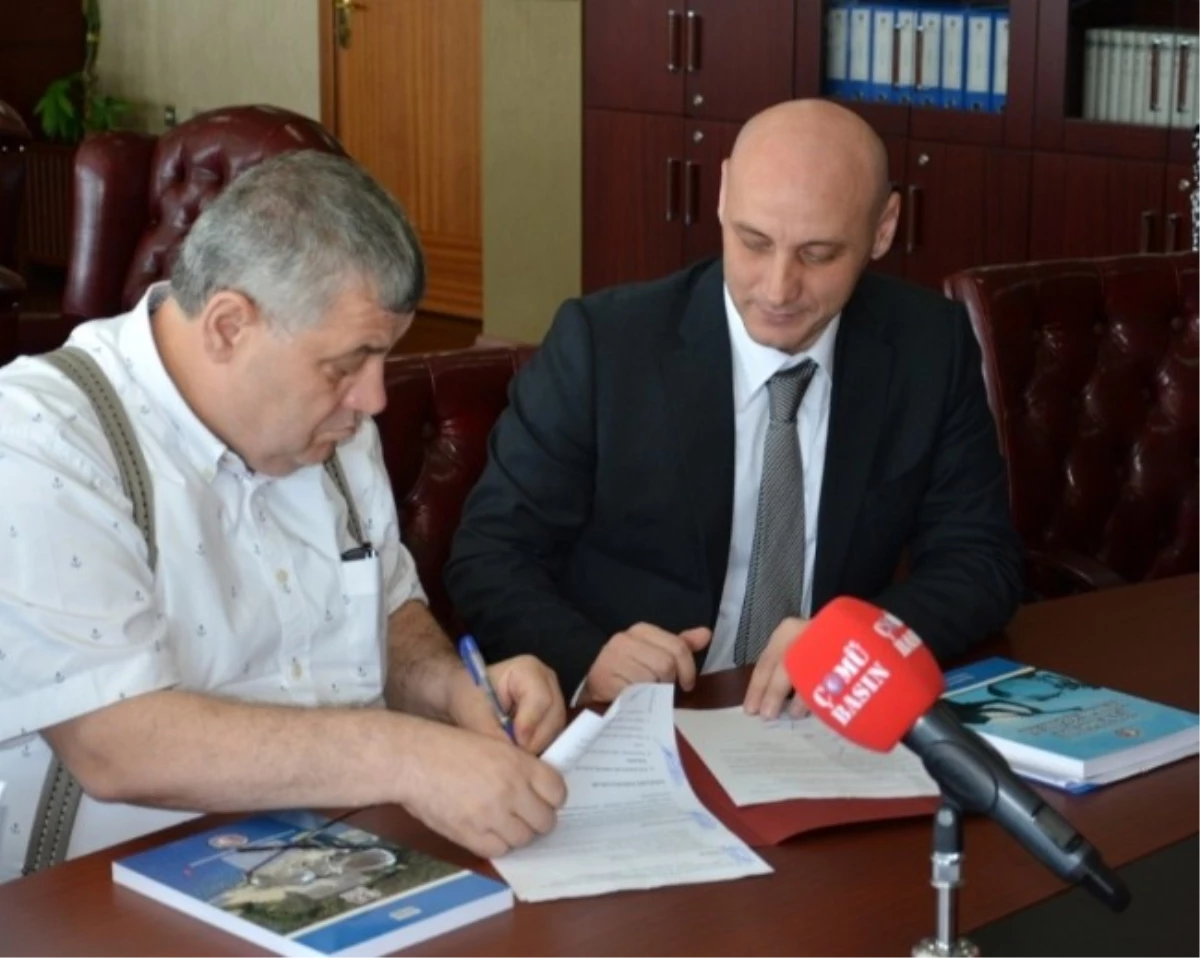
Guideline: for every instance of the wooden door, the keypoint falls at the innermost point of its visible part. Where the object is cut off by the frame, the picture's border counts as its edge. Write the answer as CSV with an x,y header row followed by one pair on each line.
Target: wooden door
x,y
708,144
633,54
633,196
968,207
1177,208
403,96
1094,206
737,56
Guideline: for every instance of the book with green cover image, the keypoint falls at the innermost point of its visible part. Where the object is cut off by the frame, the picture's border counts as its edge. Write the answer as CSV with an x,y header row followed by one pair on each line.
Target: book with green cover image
x,y
300,883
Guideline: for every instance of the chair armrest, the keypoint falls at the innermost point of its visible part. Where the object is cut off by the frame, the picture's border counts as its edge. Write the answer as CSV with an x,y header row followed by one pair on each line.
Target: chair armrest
x,y
1075,571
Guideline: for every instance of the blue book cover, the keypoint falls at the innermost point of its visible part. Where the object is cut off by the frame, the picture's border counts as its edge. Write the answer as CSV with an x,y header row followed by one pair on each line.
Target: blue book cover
x,y
302,884
1063,730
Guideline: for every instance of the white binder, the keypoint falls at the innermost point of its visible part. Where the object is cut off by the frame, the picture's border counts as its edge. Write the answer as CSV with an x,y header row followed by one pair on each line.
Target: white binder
x,y
978,87
929,65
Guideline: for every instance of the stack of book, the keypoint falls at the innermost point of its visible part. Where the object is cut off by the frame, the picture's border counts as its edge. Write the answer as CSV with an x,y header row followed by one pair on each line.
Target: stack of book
x,y
1140,75
1064,732
299,883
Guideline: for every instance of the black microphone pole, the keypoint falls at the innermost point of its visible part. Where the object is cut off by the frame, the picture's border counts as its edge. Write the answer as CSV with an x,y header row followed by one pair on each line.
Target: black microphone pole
x,y
976,778
947,860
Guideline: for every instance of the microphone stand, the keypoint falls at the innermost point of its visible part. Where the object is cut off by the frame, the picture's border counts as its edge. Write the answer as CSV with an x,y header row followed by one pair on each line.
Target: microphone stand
x,y
947,860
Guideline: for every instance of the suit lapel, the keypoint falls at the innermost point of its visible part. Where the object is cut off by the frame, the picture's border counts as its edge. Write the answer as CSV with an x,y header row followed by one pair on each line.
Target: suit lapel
x,y
862,368
698,375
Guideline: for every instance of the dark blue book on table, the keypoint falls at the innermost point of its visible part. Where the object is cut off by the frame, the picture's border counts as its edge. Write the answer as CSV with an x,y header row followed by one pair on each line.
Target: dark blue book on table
x,y
299,883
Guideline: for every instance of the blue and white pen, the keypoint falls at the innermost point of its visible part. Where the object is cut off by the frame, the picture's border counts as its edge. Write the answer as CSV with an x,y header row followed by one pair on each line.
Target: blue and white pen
x,y
468,651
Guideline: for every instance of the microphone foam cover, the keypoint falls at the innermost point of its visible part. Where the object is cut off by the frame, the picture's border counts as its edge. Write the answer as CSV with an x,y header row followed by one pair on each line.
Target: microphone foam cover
x,y
864,673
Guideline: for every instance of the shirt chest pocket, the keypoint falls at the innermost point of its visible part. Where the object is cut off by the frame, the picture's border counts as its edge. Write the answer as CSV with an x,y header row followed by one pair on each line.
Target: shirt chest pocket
x,y
353,648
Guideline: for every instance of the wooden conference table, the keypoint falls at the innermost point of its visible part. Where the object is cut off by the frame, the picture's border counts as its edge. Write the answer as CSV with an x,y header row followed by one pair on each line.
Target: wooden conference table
x,y
853,890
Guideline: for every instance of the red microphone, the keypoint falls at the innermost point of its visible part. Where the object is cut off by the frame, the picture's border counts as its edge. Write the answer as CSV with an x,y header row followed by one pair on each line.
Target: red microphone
x,y
864,673
871,679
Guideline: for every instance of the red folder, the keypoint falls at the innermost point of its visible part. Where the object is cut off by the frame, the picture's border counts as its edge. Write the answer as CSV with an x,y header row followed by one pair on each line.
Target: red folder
x,y
773,822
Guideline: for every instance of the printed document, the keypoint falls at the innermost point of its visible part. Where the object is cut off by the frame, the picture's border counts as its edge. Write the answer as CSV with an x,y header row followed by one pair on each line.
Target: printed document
x,y
631,819
758,760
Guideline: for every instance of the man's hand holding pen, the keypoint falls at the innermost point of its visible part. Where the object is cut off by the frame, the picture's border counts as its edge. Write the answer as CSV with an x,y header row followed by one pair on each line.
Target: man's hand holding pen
x,y
470,782
521,694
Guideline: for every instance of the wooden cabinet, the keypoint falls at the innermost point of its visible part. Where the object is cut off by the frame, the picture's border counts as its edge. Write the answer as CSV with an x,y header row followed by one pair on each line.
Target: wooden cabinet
x,y
1097,206
1177,207
668,82
667,85
630,195
1093,205
632,55
961,205
650,192
708,59
1166,100
1103,186
965,205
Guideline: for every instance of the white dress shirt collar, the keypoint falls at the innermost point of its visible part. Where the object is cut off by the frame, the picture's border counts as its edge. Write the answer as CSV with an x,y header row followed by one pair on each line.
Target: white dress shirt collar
x,y
754,364
135,342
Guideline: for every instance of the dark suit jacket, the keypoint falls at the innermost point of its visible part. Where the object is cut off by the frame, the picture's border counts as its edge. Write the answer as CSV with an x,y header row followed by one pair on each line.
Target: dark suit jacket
x,y
607,497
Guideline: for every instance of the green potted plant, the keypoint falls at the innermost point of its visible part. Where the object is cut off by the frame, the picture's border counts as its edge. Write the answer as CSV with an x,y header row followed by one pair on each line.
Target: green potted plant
x,y
73,106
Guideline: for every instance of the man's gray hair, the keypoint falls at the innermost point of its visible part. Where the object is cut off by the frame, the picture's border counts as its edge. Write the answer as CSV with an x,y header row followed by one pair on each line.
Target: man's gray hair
x,y
294,232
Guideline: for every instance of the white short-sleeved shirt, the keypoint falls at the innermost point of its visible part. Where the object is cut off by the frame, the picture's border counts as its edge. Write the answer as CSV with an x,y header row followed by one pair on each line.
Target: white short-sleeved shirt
x,y
251,599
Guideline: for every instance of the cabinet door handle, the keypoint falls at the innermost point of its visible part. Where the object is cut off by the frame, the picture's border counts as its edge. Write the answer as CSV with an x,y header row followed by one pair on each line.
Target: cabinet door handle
x,y
693,41
910,237
1147,230
691,189
672,188
1172,232
1181,90
1155,73
672,41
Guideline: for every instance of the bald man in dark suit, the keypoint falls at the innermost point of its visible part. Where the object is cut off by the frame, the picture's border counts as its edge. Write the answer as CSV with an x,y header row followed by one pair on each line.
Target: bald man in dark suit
x,y
633,522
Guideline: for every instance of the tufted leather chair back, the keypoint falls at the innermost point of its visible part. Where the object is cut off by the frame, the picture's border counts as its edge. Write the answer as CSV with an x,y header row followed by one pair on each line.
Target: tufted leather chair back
x,y
1091,372
136,196
441,409
14,136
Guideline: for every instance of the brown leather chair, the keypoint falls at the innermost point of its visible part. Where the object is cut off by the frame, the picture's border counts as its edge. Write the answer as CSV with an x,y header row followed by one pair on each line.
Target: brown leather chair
x,y
13,138
441,408
1091,373
136,196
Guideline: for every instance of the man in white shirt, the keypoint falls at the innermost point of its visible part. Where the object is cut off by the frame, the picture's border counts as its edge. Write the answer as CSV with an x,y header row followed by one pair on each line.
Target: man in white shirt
x,y
627,527
247,667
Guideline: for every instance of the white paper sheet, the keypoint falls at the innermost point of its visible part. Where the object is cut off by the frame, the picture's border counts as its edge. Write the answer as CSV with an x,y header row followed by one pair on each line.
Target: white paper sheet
x,y
759,761
631,819
574,741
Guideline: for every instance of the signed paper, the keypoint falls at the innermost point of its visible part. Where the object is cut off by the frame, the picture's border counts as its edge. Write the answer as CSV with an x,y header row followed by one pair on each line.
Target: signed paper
x,y
631,819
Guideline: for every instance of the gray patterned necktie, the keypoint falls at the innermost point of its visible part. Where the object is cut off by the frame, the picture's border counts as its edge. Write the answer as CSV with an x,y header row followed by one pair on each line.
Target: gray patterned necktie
x,y
775,581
